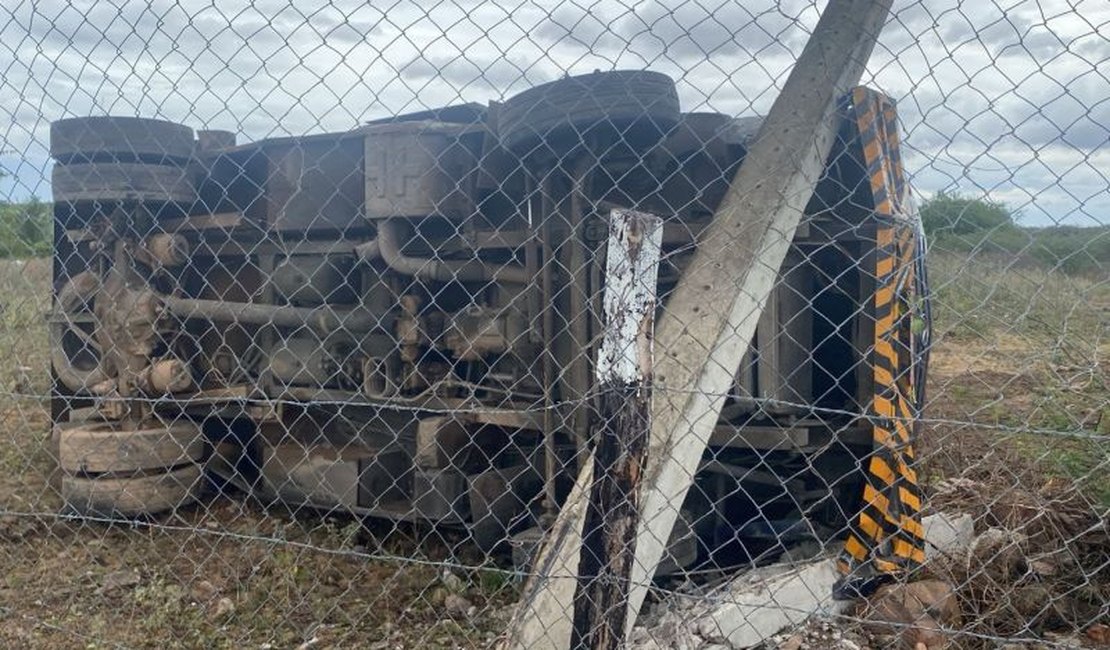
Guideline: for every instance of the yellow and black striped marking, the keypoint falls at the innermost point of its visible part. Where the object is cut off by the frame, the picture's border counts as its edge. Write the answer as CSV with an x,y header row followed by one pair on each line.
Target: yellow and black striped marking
x,y
886,537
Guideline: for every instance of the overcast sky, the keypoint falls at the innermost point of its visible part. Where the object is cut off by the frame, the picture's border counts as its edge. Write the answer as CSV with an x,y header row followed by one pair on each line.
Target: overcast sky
x,y
1008,99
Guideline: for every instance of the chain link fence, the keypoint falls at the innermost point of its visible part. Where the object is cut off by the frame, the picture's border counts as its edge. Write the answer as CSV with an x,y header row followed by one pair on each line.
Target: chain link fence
x,y
547,325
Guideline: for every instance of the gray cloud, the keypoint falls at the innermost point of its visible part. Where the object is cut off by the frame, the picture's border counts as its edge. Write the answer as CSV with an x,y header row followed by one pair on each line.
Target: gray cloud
x,y
718,27
468,75
1009,101
586,28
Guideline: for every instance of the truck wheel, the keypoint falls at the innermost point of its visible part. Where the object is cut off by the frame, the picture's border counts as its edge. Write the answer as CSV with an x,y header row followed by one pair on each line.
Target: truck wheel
x,y
120,181
120,139
91,447
131,496
110,471
631,105
75,353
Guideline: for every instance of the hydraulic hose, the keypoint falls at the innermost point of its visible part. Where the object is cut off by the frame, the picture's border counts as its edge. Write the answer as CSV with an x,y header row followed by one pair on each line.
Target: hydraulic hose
x,y
389,247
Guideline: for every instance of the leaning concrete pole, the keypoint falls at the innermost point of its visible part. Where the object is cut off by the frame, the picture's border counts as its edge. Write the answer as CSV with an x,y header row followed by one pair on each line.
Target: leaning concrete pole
x,y
710,318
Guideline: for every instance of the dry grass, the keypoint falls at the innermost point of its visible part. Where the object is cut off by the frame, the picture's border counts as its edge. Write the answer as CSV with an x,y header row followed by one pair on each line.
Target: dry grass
x,y
225,576
1020,360
1019,392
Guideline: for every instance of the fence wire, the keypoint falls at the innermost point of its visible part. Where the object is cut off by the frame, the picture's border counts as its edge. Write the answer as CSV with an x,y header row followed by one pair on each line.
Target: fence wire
x,y
311,325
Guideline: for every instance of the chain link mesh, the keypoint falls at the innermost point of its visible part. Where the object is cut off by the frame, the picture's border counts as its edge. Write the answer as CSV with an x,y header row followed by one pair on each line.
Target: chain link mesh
x,y
301,310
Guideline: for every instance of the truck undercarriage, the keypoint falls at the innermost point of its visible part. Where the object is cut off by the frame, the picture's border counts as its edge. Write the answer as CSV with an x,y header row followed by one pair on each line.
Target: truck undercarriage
x,y
401,320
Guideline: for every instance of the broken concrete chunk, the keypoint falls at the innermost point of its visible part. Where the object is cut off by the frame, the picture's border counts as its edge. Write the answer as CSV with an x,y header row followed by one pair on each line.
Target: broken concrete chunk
x,y
947,534
760,603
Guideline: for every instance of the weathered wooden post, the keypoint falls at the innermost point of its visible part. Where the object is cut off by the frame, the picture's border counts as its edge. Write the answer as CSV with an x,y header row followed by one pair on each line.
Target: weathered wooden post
x,y
623,373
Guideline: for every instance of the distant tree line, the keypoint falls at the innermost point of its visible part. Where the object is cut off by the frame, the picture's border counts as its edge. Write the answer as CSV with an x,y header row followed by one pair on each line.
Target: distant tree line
x,y
959,223
26,229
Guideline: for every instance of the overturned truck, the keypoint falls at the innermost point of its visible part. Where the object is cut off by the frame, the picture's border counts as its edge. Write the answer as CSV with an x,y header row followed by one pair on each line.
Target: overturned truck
x,y
401,320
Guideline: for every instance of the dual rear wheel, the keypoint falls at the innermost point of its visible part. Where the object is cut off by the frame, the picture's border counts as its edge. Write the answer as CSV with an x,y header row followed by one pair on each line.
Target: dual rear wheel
x,y
112,159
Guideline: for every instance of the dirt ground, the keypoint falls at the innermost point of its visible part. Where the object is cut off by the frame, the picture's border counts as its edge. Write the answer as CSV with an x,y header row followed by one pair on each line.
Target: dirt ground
x,y
1008,371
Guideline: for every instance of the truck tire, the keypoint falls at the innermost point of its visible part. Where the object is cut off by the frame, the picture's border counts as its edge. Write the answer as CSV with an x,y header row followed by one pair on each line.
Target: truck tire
x,y
91,447
120,181
632,105
131,496
122,139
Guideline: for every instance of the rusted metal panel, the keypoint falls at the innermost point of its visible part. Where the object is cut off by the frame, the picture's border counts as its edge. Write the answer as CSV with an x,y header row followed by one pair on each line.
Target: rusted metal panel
x,y
417,169
315,184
